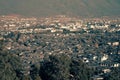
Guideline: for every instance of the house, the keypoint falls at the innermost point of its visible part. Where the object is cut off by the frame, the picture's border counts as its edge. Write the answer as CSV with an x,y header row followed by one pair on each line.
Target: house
x,y
115,43
97,77
105,57
106,70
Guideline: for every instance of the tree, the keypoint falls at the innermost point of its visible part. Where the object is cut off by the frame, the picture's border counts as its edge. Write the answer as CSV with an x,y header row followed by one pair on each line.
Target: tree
x,y
79,71
9,64
25,77
65,31
56,67
34,72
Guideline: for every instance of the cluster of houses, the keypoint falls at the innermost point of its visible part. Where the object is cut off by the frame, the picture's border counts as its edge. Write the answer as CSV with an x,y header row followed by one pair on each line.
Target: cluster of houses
x,y
12,23
56,24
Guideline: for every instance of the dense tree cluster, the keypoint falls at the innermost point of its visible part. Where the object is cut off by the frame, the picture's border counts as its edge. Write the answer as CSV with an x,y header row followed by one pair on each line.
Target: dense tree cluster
x,y
10,65
63,67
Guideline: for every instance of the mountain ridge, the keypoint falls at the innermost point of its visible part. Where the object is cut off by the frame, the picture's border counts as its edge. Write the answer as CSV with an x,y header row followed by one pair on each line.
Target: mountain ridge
x,y
57,7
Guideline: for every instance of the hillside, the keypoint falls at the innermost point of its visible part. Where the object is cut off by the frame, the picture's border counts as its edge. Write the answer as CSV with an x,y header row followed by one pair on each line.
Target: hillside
x,y
55,7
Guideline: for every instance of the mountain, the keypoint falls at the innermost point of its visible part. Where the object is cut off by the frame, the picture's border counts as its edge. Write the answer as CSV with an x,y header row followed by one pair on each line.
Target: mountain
x,y
56,7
